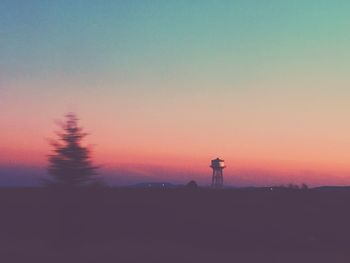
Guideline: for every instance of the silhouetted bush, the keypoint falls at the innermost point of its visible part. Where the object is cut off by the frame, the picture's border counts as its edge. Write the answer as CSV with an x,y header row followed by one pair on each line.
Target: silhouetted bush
x,y
293,186
192,185
304,187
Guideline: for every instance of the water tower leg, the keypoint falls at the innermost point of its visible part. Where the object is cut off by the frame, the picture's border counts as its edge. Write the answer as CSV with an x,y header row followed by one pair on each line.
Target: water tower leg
x,y
213,179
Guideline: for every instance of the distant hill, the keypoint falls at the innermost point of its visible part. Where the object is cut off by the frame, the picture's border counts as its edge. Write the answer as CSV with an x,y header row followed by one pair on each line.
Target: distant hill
x,y
154,185
19,176
332,188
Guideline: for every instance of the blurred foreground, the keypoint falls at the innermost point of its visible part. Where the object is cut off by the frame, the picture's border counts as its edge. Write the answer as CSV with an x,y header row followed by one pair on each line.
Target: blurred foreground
x,y
174,225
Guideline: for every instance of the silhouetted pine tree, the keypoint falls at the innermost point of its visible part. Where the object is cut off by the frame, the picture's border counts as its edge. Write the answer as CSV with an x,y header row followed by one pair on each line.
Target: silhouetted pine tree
x,y
70,164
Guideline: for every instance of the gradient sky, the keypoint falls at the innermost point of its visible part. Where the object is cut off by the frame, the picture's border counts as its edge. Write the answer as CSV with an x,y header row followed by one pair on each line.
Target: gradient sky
x,y
164,86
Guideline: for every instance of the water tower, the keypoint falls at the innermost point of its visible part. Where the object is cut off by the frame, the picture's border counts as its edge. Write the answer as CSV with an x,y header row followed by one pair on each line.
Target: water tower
x,y
218,166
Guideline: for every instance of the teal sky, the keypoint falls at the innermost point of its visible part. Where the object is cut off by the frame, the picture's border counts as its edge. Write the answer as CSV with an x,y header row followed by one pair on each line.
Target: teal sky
x,y
124,37
262,83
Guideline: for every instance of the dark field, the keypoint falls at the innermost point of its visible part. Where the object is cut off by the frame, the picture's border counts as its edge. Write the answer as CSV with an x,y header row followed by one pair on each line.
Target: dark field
x,y
174,225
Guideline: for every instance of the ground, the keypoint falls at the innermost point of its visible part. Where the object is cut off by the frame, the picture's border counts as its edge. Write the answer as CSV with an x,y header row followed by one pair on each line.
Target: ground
x,y
174,225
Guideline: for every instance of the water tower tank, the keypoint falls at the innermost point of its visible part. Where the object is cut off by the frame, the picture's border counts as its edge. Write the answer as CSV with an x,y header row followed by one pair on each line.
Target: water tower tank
x,y
218,164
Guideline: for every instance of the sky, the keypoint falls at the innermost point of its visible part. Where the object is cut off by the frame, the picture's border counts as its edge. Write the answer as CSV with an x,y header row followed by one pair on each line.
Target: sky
x,y
164,86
